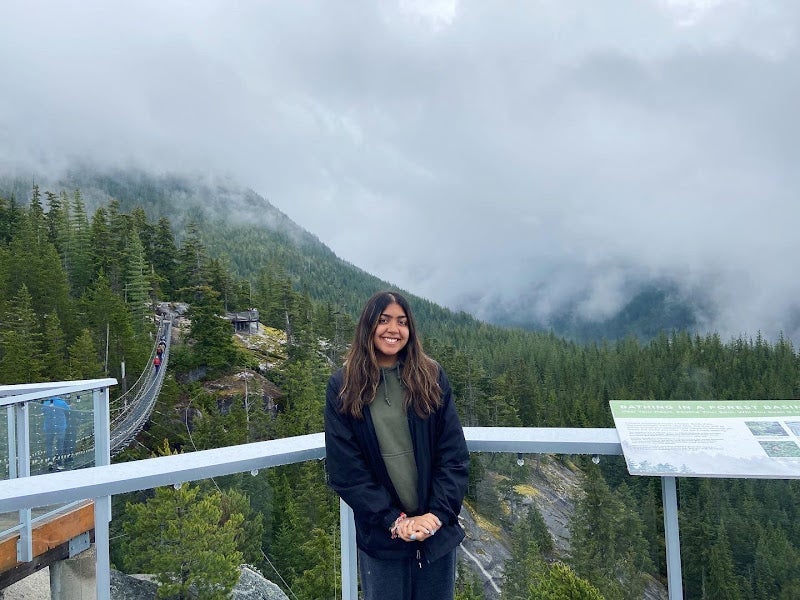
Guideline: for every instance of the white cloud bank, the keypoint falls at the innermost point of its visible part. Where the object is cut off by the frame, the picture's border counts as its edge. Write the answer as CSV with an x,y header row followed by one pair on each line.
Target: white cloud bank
x,y
473,153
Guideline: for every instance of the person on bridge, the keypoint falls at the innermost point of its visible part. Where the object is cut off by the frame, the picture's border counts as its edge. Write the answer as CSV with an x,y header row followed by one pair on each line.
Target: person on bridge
x,y
157,362
396,454
54,427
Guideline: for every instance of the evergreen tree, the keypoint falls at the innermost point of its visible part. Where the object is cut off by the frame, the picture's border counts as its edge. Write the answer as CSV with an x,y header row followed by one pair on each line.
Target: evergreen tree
x,y
38,267
468,584
58,225
21,342
524,565
164,259
110,323
210,333
103,255
54,357
10,215
304,384
137,287
37,217
607,546
776,566
193,261
80,248
84,362
722,584
321,578
182,538
248,539
559,582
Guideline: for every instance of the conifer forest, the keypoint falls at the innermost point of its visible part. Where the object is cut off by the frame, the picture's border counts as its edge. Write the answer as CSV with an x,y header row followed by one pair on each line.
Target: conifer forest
x,y
78,287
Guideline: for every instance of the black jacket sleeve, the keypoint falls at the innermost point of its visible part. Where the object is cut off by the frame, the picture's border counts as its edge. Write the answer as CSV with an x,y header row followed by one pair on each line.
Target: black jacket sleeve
x,y
450,460
349,473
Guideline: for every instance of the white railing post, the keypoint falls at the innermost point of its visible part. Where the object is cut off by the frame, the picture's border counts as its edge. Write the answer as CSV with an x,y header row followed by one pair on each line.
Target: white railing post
x,y
22,468
347,527
102,504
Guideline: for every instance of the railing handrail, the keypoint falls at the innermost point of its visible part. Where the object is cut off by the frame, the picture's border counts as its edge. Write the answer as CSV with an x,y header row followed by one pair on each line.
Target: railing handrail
x,y
109,480
20,394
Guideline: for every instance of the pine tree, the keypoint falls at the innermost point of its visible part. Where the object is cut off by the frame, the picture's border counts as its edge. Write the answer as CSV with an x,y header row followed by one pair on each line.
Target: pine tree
x,y
607,545
54,357
776,566
559,582
58,216
38,267
234,500
165,258
193,261
10,215
80,249
37,216
468,584
321,577
210,333
21,342
110,323
102,252
183,539
303,382
721,583
84,362
524,565
137,287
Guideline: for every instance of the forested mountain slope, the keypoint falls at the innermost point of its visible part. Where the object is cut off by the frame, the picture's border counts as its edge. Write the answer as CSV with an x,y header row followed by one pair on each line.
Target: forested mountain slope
x,y
80,269
251,232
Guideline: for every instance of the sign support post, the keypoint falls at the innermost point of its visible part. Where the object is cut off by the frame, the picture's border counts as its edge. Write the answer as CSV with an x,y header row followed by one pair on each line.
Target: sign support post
x,y
669,500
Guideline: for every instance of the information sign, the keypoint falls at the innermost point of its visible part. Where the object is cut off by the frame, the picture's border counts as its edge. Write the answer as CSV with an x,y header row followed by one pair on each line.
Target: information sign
x,y
709,438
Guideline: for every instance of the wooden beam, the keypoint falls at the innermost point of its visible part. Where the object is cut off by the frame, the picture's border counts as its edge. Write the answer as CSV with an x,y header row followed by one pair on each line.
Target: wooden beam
x,y
49,535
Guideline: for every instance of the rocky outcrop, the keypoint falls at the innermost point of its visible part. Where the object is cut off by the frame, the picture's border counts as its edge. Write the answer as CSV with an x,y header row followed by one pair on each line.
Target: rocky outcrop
x,y
486,546
251,586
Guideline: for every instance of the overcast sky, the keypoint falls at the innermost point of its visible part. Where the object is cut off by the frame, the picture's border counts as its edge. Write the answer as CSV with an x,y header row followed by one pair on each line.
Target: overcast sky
x,y
473,152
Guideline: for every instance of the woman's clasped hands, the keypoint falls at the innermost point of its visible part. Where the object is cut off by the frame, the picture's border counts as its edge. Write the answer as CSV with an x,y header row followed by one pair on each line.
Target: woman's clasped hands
x,y
418,528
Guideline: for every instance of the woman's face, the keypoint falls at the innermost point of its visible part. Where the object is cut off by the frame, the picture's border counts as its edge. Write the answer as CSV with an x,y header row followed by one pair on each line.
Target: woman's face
x,y
391,334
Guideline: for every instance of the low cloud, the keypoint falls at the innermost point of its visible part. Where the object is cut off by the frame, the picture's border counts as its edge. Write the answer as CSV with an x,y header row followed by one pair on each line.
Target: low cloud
x,y
472,153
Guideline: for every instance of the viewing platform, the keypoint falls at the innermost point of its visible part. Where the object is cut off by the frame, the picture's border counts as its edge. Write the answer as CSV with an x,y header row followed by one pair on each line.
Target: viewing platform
x,y
35,501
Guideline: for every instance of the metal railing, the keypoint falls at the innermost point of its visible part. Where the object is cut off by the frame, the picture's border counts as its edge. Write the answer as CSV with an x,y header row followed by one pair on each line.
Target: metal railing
x,y
105,480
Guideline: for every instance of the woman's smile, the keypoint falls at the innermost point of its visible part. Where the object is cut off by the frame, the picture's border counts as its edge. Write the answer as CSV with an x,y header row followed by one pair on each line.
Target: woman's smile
x,y
391,334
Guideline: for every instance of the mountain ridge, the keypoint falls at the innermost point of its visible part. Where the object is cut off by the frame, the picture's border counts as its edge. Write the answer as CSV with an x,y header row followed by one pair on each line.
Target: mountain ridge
x,y
231,215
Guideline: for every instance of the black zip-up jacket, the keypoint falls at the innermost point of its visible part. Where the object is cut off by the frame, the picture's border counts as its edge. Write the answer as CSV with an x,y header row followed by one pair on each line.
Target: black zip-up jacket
x,y
357,473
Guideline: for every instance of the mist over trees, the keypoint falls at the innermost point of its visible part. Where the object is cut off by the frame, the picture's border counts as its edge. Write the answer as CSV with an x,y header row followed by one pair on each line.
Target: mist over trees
x,y
76,300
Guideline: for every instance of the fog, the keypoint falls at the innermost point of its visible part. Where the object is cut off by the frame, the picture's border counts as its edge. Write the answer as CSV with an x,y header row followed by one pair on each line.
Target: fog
x,y
483,155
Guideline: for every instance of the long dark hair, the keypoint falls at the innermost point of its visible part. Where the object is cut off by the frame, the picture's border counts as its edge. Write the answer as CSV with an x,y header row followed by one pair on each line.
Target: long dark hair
x,y
362,375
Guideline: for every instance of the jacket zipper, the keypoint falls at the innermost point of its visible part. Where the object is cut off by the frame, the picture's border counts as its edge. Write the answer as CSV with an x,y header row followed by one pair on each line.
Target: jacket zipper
x,y
419,558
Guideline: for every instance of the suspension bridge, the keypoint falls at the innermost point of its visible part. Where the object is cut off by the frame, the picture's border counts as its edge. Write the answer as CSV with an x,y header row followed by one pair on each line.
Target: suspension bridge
x,y
54,530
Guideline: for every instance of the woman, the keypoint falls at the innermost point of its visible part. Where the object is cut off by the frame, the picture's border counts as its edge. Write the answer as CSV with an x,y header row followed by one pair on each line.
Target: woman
x,y
396,455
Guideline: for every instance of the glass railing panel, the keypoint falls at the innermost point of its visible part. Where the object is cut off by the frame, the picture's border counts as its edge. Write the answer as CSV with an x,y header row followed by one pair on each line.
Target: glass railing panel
x,y
283,522
524,514
9,521
62,433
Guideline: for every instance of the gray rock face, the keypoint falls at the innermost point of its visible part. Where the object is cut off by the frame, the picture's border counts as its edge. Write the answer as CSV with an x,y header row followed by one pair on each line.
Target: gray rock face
x,y
126,587
251,586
